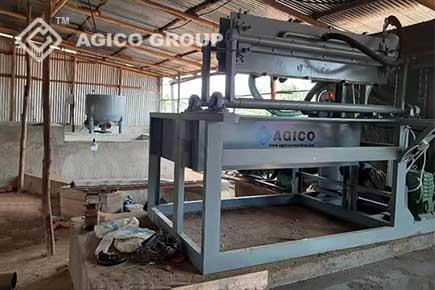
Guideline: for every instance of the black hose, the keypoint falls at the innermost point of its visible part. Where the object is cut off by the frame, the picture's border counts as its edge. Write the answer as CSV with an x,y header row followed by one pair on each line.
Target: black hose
x,y
8,281
361,47
318,87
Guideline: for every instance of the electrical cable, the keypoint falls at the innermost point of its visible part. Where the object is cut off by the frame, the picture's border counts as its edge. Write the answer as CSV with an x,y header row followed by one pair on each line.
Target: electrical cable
x,y
215,9
202,14
179,26
421,175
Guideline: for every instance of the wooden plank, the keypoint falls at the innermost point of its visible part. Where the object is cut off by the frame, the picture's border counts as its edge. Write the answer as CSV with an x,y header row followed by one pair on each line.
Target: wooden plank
x,y
13,83
59,6
252,281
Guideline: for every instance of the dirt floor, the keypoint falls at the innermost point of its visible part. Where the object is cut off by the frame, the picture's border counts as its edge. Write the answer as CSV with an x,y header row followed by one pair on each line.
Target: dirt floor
x,y
20,221
244,228
413,271
35,270
38,272
21,247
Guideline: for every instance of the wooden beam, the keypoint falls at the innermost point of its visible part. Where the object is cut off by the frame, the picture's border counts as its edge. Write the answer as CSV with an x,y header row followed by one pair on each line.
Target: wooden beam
x,y
116,22
120,81
121,59
13,83
116,61
90,57
142,50
13,14
272,88
27,90
73,93
46,163
193,10
178,13
59,6
351,5
97,15
428,3
294,13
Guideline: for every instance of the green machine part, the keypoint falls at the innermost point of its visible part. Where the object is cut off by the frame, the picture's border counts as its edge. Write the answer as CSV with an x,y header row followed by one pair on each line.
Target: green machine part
x,y
420,198
285,179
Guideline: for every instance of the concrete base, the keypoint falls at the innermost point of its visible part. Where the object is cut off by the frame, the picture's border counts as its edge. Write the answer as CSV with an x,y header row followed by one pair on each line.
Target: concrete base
x,y
87,275
73,160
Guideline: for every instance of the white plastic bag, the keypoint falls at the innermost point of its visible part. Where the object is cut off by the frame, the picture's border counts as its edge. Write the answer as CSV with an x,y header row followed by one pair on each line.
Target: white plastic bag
x,y
125,232
128,240
102,229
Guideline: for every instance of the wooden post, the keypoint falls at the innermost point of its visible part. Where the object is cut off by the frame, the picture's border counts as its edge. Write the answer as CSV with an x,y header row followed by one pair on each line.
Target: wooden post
x,y
46,163
73,93
27,90
120,78
272,88
13,100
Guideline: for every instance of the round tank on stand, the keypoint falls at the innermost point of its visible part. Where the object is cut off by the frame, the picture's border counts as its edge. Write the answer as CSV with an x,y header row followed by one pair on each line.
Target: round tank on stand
x,y
104,110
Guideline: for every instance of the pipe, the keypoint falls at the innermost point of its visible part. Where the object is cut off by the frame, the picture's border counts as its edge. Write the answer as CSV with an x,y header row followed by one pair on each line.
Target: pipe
x,y
256,95
336,49
205,73
361,47
311,106
8,281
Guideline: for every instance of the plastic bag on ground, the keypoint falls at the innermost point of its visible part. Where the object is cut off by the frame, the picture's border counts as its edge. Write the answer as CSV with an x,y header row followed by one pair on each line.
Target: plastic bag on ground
x,y
102,229
128,240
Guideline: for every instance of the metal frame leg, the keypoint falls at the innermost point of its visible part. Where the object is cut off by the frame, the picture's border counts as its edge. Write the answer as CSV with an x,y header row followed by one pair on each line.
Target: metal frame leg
x,y
400,214
178,210
154,163
211,205
210,259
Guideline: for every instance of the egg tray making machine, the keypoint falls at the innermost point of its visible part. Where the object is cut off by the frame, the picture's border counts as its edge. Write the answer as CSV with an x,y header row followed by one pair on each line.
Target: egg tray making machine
x,y
209,139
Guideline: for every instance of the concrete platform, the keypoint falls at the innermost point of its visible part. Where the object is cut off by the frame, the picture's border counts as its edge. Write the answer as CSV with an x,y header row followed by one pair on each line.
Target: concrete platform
x,y
87,275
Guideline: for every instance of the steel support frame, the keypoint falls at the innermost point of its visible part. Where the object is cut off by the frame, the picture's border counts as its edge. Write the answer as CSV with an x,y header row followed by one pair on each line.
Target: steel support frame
x,y
208,258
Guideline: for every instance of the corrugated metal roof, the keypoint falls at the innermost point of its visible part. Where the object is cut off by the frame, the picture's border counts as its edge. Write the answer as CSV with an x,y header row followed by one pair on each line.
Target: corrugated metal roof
x,y
359,16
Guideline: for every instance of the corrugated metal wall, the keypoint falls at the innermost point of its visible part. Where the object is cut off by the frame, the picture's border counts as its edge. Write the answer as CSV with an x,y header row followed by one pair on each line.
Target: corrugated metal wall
x,y
141,91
